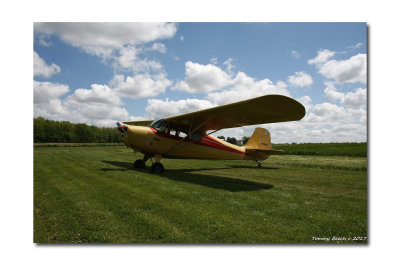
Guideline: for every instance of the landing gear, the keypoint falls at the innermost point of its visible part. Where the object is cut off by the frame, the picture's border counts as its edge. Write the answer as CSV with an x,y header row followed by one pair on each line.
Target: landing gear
x,y
139,164
157,167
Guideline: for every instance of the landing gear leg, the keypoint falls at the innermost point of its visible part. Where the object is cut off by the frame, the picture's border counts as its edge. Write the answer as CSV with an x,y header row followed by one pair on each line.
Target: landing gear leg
x,y
157,167
259,164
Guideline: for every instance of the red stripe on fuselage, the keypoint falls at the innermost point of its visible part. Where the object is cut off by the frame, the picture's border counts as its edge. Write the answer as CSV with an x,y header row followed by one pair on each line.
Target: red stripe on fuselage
x,y
205,141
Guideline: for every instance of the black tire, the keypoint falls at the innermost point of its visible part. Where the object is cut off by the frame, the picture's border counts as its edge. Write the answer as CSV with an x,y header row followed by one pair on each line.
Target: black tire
x,y
139,164
157,168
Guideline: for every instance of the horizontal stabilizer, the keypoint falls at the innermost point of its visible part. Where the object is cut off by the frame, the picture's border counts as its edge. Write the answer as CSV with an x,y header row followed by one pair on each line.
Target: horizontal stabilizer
x,y
267,152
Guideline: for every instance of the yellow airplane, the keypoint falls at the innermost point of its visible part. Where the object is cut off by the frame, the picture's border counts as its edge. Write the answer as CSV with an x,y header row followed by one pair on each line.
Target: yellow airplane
x,y
188,136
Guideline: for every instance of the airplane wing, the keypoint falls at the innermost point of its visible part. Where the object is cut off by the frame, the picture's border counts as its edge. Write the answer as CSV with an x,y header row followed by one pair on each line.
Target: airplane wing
x,y
139,123
260,110
265,109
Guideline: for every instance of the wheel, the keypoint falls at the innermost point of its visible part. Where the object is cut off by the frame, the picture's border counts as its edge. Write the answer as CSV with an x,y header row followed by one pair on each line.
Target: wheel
x,y
139,164
157,168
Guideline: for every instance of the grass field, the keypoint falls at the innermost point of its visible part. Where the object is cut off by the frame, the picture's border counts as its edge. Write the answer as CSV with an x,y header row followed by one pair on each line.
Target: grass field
x,y
93,194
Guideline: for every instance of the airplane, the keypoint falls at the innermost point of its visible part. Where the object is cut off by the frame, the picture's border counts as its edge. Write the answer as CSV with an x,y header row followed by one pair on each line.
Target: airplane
x,y
189,135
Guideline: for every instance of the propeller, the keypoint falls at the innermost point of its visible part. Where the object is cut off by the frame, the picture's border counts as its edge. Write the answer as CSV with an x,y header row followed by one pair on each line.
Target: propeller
x,y
122,128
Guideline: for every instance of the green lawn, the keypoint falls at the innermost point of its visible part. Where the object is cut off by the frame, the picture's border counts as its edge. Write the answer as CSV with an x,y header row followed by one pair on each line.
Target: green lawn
x,y
93,194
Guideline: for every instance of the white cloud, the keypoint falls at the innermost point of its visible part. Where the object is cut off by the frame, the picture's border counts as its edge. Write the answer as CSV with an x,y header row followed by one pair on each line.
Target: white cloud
x,y
300,79
127,57
160,109
43,40
245,87
200,78
40,68
102,38
140,86
99,105
45,91
352,100
46,99
356,46
160,47
323,56
296,54
98,94
214,60
229,65
352,70
329,114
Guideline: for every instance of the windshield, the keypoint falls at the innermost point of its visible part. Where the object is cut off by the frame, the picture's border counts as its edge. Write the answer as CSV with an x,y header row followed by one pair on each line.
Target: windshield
x,y
160,125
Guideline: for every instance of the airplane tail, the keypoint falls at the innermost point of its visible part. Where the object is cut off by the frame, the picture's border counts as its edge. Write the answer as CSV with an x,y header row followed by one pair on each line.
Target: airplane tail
x,y
260,139
259,145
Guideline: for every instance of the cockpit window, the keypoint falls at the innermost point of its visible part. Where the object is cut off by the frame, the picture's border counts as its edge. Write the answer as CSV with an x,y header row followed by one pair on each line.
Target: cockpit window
x,y
160,125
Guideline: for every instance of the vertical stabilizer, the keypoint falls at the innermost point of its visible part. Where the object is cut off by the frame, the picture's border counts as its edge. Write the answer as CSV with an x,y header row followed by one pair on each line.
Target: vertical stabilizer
x,y
260,139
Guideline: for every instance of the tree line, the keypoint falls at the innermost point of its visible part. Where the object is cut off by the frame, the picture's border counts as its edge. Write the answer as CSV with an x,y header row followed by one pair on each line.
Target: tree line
x,y
233,140
49,131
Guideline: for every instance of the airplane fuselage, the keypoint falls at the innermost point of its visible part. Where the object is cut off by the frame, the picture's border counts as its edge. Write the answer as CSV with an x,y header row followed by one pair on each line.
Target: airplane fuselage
x,y
149,141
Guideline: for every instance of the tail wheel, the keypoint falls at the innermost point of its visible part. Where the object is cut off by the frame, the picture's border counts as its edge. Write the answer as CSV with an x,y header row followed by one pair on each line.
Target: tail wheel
x,y
139,164
157,167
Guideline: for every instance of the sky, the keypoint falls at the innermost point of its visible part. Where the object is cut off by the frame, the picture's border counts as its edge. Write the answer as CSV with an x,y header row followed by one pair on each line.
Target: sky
x,y
100,73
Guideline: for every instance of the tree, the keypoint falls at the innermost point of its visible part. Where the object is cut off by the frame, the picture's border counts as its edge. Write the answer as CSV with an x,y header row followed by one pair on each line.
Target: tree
x,y
221,137
231,140
245,139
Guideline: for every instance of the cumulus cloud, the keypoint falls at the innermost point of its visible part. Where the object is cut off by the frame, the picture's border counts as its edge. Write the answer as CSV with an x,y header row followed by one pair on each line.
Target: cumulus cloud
x,y
245,87
99,105
40,68
102,38
200,78
158,108
352,70
323,56
140,86
352,100
45,91
300,79
98,94
46,99
329,114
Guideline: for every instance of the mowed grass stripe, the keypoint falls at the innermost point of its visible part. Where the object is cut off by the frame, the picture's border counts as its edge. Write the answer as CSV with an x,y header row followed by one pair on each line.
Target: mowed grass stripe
x,y
100,197
93,194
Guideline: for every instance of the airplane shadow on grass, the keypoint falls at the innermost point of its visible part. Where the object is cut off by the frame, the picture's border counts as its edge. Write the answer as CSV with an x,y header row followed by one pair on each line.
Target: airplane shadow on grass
x,y
190,176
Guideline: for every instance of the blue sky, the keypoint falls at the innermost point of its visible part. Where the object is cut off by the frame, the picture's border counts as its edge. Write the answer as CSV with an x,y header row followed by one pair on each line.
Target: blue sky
x,y
99,73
